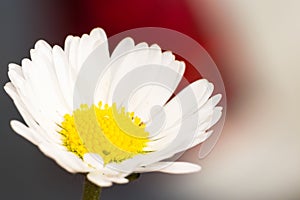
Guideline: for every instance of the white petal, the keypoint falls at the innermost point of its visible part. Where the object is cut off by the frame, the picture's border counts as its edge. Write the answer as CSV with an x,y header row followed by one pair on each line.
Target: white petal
x,y
84,47
62,67
190,115
99,179
44,48
158,91
146,98
27,116
15,75
186,102
127,166
73,53
17,69
24,131
44,82
217,115
181,136
88,77
69,161
45,129
200,138
124,46
119,180
93,160
172,167
167,57
181,168
67,45
98,35
78,49
139,78
104,81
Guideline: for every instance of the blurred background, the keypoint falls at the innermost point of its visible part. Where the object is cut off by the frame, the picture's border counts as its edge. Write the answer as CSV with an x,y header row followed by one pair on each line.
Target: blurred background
x,y
256,46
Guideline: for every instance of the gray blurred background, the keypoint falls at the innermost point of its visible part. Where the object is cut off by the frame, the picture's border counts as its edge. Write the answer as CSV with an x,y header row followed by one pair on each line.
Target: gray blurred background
x,y
256,46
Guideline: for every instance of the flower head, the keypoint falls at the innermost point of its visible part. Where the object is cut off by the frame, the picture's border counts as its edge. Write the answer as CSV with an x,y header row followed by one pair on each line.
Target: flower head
x,y
110,115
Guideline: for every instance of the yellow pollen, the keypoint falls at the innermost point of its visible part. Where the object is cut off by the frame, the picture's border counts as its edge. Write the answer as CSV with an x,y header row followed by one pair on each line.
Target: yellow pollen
x,y
112,133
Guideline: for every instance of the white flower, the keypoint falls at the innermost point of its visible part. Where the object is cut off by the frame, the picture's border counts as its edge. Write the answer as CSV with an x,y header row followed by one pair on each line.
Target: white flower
x,y
109,139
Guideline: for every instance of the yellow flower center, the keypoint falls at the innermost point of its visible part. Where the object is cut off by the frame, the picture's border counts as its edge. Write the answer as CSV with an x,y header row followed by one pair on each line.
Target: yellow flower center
x,y
112,133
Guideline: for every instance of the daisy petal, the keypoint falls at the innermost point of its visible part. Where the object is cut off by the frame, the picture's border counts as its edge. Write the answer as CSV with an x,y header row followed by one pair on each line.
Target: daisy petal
x,y
99,179
181,136
124,46
24,131
11,91
61,66
181,168
200,138
158,92
217,115
39,130
186,102
98,35
103,85
68,160
122,84
172,167
91,70
93,160
119,180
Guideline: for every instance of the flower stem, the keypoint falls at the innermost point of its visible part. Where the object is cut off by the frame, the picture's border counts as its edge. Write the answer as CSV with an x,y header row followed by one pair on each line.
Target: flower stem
x,y
91,191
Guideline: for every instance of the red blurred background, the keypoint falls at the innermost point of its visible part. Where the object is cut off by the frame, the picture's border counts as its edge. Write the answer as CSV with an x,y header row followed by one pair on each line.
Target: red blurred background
x,y
210,25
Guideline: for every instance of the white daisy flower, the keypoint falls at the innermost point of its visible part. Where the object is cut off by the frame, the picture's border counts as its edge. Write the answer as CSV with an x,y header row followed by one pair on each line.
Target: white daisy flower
x,y
119,133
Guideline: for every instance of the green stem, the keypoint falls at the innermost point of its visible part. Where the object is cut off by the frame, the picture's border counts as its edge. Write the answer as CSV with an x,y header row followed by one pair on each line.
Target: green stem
x,y
91,191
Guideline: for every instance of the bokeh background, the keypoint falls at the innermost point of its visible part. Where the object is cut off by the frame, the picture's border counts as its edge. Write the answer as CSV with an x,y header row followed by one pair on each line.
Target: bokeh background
x,y
256,46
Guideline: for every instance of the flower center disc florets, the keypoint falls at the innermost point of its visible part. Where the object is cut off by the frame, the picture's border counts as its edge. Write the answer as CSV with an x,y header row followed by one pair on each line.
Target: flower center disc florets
x,y
112,133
